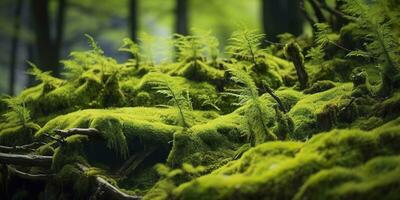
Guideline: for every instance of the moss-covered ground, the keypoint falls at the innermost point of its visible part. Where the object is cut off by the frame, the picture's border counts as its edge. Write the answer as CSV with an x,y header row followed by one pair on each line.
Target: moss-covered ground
x,y
185,130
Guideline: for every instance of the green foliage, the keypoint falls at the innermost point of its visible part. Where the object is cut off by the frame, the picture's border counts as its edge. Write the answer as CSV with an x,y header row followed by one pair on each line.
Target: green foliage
x,y
246,44
373,24
18,113
132,48
90,62
177,98
41,76
316,55
190,48
324,35
96,49
247,93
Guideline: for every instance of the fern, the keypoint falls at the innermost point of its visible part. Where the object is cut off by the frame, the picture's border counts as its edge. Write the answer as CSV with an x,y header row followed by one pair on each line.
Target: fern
x,y
44,77
18,113
177,98
247,93
316,55
88,60
190,48
132,48
246,44
95,47
373,24
324,35
147,47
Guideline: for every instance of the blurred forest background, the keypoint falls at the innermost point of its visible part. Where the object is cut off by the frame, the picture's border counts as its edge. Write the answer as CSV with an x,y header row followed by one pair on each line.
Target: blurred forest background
x,y
45,31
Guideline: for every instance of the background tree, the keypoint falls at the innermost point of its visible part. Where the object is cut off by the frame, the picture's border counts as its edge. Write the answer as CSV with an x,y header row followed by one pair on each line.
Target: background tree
x,y
14,45
181,14
281,16
48,48
133,19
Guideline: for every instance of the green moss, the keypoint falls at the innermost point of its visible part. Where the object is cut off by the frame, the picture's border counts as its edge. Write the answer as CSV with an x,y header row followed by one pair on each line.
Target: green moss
x,y
304,113
197,91
377,179
283,170
120,127
207,144
319,86
18,135
198,71
389,108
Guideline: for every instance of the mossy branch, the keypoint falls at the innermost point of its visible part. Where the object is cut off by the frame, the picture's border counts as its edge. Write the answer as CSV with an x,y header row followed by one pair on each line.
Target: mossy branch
x,y
293,53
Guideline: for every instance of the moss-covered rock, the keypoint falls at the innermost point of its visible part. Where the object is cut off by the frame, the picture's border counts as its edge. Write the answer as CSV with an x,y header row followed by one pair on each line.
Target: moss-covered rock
x,y
338,164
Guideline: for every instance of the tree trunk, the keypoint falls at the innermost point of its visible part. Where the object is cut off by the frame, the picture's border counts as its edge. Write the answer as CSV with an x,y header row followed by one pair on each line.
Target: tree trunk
x,y
283,16
58,42
40,16
48,50
181,14
14,46
133,20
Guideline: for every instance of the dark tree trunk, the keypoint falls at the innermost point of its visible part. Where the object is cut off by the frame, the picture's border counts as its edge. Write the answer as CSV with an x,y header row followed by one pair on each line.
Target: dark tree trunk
x,y
133,19
181,14
41,26
58,42
281,16
14,45
48,49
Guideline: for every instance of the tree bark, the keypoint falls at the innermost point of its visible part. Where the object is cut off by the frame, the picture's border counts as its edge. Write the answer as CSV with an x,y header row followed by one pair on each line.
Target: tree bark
x,y
283,16
27,147
181,15
14,46
26,160
133,20
111,191
48,49
58,41
29,176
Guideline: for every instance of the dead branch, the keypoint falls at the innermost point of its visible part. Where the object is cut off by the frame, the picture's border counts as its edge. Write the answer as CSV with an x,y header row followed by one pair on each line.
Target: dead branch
x,y
59,140
134,161
111,191
90,132
273,95
29,176
26,160
27,147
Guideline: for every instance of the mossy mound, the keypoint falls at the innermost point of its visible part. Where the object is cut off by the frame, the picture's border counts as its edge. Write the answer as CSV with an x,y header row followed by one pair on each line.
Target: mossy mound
x,y
306,112
284,170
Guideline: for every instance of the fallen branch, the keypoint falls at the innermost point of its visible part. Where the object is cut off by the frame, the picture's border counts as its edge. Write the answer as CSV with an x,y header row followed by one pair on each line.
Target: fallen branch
x,y
27,147
109,190
90,132
29,176
273,95
134,161
26,160
59,140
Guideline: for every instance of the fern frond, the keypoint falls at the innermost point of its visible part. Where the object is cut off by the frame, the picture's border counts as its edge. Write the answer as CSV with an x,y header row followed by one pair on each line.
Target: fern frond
x,y
316,55
180,101
44,77
129,46
324,34
376,27
95,47
18,113
189,47
247,93
246,44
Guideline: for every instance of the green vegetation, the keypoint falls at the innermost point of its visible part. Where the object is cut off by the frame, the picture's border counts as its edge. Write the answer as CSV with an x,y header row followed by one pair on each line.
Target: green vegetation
x,y
261,123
